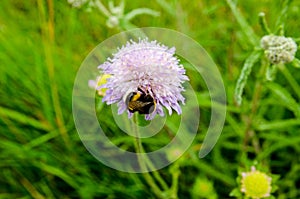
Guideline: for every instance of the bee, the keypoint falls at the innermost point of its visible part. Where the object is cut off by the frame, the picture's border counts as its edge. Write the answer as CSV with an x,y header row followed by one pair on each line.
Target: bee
x,y
141,102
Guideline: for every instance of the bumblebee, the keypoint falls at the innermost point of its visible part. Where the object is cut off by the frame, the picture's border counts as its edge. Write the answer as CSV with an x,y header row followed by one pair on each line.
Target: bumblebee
x,y
141,102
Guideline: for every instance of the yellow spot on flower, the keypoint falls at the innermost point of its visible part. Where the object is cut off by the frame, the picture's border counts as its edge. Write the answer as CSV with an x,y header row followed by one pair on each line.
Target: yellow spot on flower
x,y
256,184
102,79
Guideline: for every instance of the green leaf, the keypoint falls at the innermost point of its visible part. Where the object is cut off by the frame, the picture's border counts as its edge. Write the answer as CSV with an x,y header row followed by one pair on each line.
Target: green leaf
x,y
271,72
247,68
235,193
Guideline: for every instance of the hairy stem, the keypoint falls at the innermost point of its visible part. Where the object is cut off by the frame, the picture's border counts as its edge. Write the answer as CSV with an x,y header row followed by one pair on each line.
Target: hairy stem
x,y
249,133
139,149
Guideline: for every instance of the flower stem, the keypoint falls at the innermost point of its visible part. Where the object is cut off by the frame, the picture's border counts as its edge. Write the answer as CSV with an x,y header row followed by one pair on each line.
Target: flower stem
x,y
149,163
249,133
156,173
139,149
102,8
175,170
263,23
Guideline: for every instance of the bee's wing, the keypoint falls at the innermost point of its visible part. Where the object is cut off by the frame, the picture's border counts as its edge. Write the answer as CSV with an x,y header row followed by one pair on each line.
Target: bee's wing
x,y
135,105
138,106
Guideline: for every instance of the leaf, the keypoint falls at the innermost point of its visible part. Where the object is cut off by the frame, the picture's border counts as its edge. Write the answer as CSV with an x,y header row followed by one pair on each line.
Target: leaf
x,y
271,72
235,193
247,68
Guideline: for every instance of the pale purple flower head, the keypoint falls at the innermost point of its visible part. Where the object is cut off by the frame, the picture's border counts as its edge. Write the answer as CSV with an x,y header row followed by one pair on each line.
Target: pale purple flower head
x,y
146,66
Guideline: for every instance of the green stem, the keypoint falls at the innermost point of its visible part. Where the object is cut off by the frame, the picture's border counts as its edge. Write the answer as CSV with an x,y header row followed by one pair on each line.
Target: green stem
x,y
102,8
175,175
263,23
249,132
140,11
156,174
139,149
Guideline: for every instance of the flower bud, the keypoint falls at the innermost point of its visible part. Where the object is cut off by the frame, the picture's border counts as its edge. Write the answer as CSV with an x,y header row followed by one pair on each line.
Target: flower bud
x,y
279,49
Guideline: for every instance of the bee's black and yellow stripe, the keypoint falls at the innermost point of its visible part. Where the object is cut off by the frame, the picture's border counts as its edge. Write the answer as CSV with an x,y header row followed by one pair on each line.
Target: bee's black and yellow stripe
x,y
141,102
135,96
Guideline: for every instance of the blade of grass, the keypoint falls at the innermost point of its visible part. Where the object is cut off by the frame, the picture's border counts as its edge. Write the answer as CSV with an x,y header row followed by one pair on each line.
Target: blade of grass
x,y
30,188
24,119
246,28
59,172
47,27
276,125
42,139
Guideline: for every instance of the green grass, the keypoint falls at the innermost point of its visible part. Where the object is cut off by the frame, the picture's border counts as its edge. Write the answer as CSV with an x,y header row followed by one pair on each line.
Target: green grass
x,y
43,43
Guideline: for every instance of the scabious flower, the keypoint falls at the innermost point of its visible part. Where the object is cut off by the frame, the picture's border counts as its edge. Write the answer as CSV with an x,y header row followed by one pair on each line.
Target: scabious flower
x,y
146,66
256,184
279,49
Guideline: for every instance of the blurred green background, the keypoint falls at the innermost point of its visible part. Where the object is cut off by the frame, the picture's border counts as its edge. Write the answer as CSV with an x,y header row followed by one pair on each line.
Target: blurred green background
x,y
42,44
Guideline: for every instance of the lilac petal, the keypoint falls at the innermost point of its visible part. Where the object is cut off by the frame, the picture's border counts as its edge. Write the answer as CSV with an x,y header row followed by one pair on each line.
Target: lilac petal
x,y
122,107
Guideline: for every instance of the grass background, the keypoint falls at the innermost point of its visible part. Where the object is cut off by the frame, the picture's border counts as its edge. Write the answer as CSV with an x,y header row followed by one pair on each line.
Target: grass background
x,y
42,44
